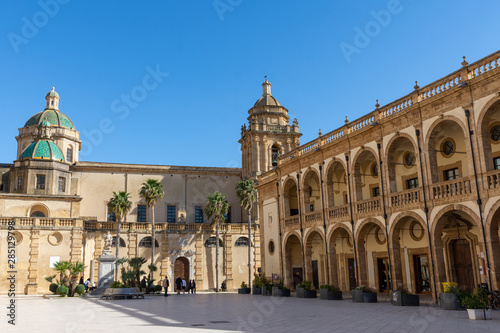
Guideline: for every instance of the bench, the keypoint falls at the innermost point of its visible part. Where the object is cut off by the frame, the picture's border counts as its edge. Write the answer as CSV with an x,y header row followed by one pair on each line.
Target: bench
x,y
122,293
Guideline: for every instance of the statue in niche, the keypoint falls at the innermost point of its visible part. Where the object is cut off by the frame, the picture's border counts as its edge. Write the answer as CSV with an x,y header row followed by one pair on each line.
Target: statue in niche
x,y
108,240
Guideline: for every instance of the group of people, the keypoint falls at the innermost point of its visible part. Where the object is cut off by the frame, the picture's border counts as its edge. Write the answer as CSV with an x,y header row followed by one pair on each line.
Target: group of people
x,y
180,284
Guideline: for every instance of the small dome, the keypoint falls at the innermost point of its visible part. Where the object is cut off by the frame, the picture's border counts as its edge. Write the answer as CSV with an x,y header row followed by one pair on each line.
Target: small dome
x,y
52,117
267,98
42,150
53,92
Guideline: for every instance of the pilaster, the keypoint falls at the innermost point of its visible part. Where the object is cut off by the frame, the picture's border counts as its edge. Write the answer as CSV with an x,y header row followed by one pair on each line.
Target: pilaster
x,y
198,261
228,247
31,288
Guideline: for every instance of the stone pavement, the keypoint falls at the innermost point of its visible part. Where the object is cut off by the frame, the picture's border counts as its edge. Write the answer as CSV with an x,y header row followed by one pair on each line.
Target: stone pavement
x,y
227,312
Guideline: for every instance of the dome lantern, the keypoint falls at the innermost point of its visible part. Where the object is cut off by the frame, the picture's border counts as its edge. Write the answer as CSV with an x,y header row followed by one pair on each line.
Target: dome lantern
x,y
52,98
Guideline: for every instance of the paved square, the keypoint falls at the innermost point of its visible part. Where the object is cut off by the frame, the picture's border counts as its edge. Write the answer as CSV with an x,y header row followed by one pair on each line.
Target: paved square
x,y
227,312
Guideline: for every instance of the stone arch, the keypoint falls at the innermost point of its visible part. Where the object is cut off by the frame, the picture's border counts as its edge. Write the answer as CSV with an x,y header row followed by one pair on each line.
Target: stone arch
x,y
434,136
336,188
486,119
362,231
365,180
311,189
492,229
315,246
293,260
397,233
291,196
274,150
182,268
455,246
339,274
397,170
38,207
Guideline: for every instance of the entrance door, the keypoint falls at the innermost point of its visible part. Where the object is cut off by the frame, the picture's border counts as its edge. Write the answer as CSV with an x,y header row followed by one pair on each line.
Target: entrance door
x,y
422,278
383,274
352,273
181,267
462,264
297,276
315,273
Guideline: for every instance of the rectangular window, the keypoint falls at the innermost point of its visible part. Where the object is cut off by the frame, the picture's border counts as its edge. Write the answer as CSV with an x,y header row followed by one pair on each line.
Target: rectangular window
x,y
19,182
496,163
69,155
111,217
412,183
40,182
451,174
171,212
311,208
141,213
62,184
227,216
198,214
376,192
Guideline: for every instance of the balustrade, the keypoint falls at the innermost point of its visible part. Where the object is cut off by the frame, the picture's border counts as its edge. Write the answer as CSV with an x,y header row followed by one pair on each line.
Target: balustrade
x,y
369,206
452,188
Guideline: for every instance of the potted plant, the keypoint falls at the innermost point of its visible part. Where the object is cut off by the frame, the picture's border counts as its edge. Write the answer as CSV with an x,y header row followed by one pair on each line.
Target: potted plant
x,y
330,292
449,299
402,297
304,290
267,289
280,290
477,305
244,289
357,294
257,285
369,295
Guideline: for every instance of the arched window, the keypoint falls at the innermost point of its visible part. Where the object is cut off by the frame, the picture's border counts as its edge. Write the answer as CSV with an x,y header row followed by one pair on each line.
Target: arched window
x,y
69,155
211,242
122,242
147,242
37,214
241,242
274,155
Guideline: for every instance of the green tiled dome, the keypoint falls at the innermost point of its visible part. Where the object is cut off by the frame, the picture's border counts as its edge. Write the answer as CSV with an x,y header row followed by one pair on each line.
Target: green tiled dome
x,y
55,118
43,150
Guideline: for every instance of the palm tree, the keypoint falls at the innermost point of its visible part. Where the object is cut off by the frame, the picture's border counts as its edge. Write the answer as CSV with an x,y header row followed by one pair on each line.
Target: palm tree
x,y
247,195
216,207
74,273
151,191
135,266
120,205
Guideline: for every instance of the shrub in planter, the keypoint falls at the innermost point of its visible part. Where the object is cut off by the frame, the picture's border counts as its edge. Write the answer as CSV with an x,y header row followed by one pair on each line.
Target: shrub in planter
x,y
158,288
116,284
243,288
357,294
62,290
258,283
449,300
267,289
403,297
53,287
330,292
369,295
80,289
304,290
477,304
280,290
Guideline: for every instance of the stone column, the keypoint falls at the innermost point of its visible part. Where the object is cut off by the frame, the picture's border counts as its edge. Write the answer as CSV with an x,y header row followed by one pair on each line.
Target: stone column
x,y
164,271
198,262
31,288
257,247
228,247
97,253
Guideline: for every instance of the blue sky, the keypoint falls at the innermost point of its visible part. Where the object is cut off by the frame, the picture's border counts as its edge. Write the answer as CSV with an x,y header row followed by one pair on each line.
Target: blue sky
x,y
210,59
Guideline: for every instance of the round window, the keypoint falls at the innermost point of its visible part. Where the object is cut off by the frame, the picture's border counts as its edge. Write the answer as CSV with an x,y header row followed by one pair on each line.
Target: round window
x,y
374,169
495,133
409,159
448,147
271,247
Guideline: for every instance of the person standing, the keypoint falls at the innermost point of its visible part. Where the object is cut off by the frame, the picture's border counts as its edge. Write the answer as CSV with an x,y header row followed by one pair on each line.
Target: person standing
x,y
81,280
183,286
87,284
178,284
193,287
165,285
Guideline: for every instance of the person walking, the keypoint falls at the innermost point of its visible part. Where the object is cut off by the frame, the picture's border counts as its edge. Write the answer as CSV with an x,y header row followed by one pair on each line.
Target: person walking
x,y
81,280
87,284
165,285
183,286
193,287
178,284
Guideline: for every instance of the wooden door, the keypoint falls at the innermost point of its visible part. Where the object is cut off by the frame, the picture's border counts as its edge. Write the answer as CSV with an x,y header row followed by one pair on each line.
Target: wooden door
x,y
383,274
181,267
352,273
462,264
422,277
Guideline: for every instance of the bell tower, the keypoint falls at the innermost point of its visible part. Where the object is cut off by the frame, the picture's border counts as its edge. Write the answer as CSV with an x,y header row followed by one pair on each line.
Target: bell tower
x,y
267,136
